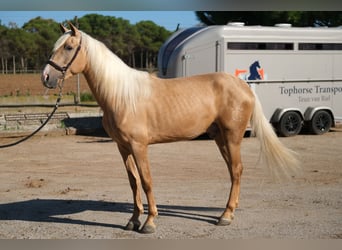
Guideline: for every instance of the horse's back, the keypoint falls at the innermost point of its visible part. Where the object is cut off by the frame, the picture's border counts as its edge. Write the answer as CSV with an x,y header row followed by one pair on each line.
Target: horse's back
x,y
220,89
218,81
210,94
228,88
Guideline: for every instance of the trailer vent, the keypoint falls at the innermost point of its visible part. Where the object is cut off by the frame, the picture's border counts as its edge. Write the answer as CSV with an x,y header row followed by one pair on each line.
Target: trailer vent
x,y
237,24
283,25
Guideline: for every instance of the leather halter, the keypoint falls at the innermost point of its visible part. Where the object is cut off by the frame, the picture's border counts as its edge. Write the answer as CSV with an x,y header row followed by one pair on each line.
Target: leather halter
x,y
66,67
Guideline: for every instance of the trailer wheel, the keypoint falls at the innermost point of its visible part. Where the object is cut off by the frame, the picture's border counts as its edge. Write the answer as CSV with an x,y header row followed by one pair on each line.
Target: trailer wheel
x,y
321,122
290,124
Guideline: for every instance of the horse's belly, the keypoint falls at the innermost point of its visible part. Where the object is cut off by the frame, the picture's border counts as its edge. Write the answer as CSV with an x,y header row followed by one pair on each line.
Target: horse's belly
x,y
175,127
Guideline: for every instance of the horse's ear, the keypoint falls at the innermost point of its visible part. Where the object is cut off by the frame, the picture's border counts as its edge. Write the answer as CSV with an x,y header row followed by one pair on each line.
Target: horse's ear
x,y
62,28
74,30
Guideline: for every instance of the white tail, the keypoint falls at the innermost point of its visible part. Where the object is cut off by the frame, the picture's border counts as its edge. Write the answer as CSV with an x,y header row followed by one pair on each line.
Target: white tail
x,y
281,161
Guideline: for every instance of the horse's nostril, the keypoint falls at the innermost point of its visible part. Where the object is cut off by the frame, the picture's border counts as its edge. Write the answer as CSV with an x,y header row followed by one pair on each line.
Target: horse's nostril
x,y
46,78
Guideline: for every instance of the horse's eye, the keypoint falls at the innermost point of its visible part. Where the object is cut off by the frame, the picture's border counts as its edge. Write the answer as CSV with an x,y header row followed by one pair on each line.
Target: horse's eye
x,y
67,47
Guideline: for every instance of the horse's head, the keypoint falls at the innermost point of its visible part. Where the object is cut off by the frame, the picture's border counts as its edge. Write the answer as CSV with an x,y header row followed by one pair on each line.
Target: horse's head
x,y
68,58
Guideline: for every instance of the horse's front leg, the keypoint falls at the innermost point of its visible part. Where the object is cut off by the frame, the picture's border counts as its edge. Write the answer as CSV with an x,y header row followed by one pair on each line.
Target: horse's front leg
x,y
142,163
134,180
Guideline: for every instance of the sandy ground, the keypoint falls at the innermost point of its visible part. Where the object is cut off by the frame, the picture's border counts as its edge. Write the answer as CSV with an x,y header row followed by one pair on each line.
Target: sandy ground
x,y
31,85
58,187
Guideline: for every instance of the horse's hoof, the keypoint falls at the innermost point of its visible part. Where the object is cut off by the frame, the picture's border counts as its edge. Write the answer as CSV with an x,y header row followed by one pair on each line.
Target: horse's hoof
x,y
131,226
148,229
224,222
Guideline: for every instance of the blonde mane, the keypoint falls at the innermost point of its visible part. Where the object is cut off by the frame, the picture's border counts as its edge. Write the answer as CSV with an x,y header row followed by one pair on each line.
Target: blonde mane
x,y
116,83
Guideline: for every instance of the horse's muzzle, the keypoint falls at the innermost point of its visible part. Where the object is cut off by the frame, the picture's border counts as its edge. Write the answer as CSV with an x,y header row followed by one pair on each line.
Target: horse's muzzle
x,y
48,80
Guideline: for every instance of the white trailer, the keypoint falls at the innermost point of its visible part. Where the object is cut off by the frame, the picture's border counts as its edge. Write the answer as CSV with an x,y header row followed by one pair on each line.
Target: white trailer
x,y
296,72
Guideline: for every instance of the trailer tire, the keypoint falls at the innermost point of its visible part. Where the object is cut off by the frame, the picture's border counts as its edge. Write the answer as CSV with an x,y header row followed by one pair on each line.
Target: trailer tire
x,y
290,124
321,122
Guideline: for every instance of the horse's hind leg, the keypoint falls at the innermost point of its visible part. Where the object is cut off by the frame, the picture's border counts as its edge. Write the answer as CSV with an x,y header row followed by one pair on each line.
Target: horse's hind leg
x,y
229,143
134,180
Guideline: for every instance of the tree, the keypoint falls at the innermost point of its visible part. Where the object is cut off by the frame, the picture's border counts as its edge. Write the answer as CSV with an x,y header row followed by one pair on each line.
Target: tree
x,y
270,18
21,47
30,46
16,46
116,33
44,32
152,37
126,40
4,48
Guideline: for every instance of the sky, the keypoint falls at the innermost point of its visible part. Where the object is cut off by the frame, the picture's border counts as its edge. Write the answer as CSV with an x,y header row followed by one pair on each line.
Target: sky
x,y
167,19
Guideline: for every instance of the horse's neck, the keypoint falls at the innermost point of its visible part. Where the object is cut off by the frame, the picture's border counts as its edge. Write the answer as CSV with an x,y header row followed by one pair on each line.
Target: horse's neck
x,y
115,85
98,89
90,77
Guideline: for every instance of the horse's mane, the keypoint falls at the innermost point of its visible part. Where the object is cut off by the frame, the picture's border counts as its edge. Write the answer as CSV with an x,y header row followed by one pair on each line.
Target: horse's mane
x,y
115,82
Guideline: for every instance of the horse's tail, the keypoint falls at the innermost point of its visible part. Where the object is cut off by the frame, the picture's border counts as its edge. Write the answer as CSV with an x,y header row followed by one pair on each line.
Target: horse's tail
x,y
280,160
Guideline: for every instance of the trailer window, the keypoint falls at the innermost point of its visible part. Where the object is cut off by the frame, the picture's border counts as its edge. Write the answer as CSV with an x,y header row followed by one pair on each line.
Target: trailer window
x,y
320,46
259,46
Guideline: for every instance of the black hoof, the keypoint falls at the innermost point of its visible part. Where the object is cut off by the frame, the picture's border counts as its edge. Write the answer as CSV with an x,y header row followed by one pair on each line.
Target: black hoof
x,y
131,226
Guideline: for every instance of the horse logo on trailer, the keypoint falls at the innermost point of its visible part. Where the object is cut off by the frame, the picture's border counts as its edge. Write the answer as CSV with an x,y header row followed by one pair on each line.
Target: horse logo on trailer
x,y
255,72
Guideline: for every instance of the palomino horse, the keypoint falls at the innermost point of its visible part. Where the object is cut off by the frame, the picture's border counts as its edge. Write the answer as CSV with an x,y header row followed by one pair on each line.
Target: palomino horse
x,y
140,109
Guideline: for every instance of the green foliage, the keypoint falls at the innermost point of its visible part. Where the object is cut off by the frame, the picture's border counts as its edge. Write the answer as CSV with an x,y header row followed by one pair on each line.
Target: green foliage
x,y
130,42
44,33
270,18
87,97
151,39
29,47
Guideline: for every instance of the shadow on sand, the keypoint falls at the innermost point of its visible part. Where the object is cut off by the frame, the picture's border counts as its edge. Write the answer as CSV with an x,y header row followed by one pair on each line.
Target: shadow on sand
x,y
53,210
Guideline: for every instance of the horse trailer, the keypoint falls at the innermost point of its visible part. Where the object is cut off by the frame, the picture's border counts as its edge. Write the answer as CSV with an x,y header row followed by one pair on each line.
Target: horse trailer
x,y
296,72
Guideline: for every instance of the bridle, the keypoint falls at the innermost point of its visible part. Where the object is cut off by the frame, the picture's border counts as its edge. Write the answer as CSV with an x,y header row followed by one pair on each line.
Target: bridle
x,y
66,67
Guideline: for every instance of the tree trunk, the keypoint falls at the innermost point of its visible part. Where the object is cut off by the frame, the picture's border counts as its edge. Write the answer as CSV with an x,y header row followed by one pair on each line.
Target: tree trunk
x,y
133,59
141,59
14,65
6,69
22,64
146,59
2,65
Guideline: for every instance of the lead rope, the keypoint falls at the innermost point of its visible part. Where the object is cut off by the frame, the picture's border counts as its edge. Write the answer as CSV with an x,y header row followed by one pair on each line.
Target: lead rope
x,y
43,124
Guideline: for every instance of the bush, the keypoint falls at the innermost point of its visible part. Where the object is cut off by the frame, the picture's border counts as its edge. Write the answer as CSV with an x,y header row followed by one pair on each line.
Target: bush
x,y
87,97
